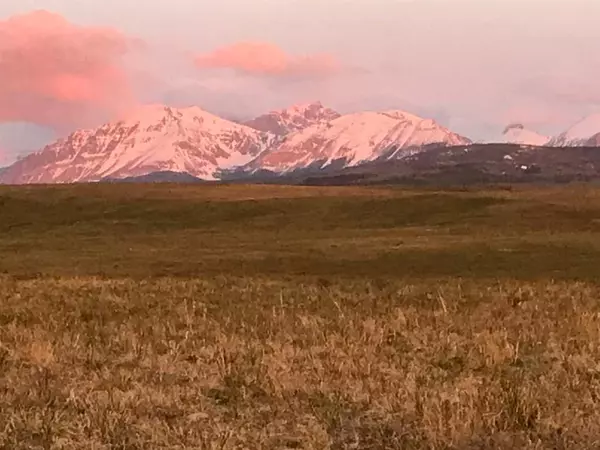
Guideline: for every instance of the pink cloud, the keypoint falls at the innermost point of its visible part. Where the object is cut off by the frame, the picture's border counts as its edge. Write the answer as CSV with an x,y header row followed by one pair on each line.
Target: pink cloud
x,y
58,74
265,59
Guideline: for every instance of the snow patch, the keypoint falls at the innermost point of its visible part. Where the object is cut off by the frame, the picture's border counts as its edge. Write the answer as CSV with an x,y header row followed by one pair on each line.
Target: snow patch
x,y
580,133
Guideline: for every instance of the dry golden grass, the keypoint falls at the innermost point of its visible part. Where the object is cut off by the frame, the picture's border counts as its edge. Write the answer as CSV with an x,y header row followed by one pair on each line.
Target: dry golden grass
x,y
236,317
249,363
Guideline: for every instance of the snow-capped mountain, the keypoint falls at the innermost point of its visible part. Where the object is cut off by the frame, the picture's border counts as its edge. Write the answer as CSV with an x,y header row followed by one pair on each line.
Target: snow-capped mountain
x,y
159,139
354,139
293,119
584,133
153,138
516,133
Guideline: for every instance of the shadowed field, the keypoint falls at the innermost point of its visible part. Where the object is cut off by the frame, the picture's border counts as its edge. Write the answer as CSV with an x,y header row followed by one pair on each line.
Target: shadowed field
x,y
275,317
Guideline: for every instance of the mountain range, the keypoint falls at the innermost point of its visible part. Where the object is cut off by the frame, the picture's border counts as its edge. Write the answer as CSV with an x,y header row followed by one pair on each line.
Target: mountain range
x,y
160,143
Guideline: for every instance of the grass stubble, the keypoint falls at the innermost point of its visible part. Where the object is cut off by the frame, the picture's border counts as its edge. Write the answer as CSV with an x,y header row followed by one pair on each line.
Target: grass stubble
x,y
277,350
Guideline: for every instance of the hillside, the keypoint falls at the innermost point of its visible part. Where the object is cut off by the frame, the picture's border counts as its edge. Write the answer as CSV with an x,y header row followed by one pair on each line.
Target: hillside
x,y
583,133
150,139
161,139
354,139
305,143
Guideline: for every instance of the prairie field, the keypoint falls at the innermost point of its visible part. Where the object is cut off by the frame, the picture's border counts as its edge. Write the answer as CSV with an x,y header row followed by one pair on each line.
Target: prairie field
x,y
278,317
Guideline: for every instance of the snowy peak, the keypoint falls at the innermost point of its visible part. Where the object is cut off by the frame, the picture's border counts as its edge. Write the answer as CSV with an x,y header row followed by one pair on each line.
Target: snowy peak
x,y
292,119
161,139
165,116
516,133
583,133
354,139
586,128
148,139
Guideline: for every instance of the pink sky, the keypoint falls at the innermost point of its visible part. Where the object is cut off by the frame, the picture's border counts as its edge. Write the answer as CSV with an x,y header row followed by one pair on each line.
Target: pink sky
x,y
474,65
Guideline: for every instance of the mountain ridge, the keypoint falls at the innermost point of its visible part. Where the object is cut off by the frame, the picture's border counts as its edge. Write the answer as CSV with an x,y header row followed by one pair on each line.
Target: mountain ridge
x,y
294,118
157,138
579,134
355,138
152,138
156,142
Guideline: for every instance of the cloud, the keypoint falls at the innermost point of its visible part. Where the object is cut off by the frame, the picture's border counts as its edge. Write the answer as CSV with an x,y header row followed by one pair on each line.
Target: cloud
x,y
58,74
265,59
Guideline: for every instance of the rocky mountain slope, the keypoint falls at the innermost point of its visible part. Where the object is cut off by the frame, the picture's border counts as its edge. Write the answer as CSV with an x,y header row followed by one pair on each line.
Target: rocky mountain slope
x,y
353,139
162,139
161,144
295,118
584,133
153,138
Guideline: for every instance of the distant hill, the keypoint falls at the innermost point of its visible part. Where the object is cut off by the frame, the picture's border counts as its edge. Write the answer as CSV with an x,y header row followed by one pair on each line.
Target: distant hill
x,y
441,165
165,176
471,164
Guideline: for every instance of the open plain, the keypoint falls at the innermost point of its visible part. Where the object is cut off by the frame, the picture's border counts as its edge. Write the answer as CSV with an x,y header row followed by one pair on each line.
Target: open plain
x,y
275,317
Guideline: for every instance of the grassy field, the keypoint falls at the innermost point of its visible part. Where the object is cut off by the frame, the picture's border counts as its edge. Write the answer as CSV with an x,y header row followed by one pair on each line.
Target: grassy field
x,y
273,317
